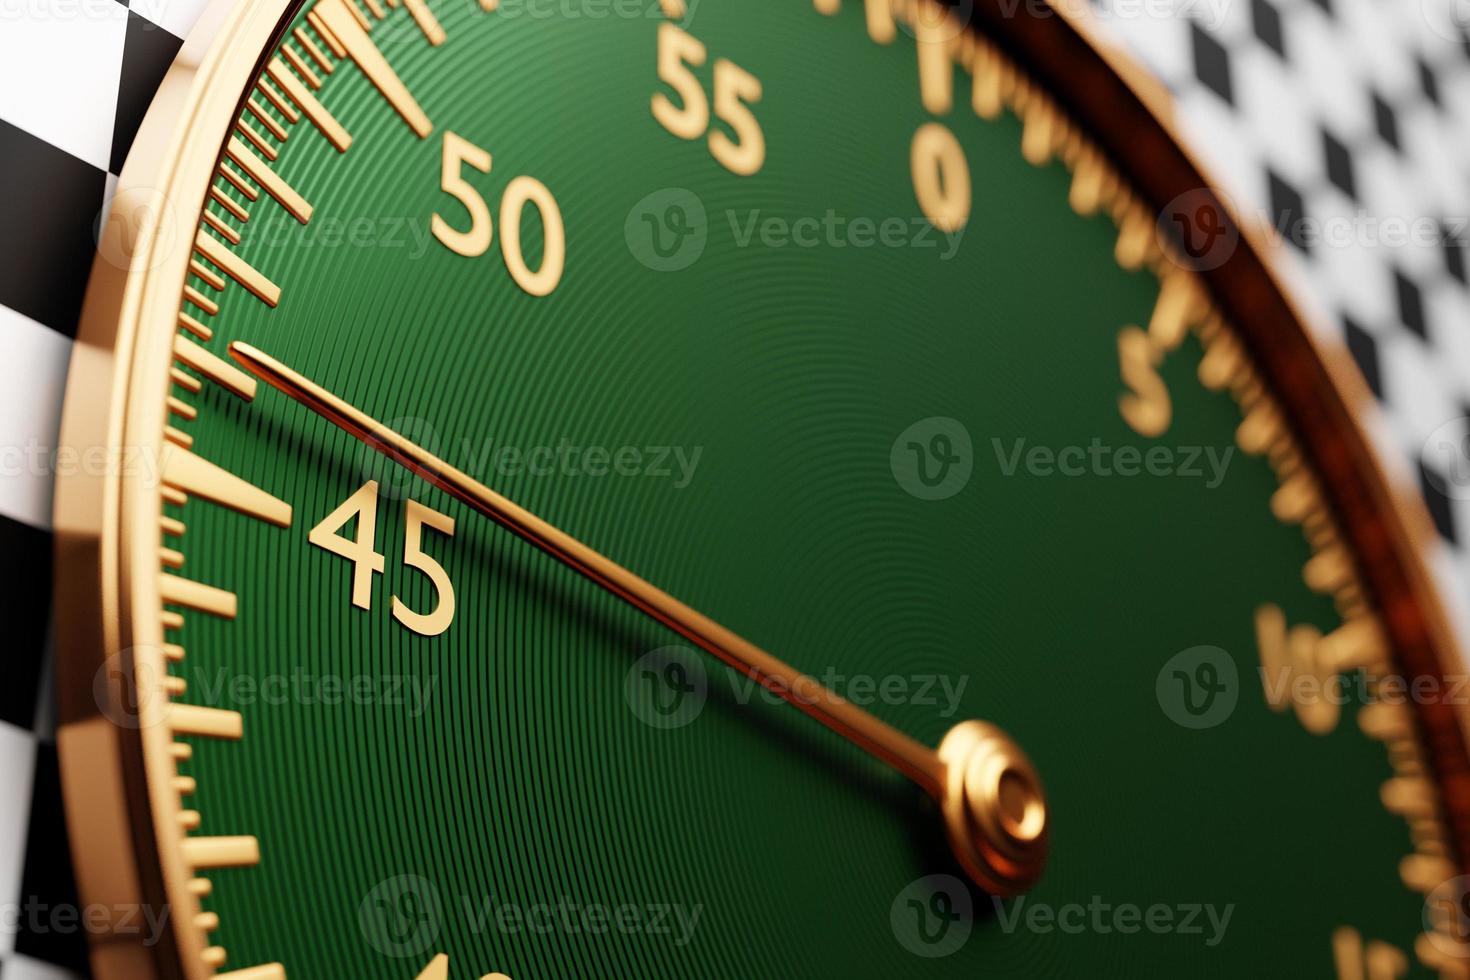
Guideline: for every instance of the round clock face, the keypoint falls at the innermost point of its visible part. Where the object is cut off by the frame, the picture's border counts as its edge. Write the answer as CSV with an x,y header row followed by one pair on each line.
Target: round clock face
x,y
832,323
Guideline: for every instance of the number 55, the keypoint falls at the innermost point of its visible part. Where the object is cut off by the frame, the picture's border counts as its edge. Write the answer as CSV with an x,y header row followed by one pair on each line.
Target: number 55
x,y
735,89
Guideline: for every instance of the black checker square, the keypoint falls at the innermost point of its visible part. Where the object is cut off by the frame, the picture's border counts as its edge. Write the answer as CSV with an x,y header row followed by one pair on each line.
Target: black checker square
x,y
1364,348
1212,63
147,54
48,927
25,609
48,214
1288,212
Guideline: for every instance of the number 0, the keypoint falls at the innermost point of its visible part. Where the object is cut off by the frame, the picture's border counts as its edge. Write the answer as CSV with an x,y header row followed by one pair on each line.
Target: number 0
x,y
553,256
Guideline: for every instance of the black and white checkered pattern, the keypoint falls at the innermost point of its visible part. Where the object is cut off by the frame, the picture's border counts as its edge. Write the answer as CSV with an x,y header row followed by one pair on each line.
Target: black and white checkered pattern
x,y
76,77
1315,109
1347,116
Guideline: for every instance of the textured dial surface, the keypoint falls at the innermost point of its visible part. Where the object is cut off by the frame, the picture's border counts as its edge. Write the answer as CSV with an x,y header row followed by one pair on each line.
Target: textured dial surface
x,y
749,424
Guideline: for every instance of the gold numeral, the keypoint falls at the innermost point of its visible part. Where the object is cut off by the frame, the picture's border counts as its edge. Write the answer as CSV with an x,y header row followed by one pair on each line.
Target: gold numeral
x,y
1146,407
941,177
362,505
735,91
359,549
457,152
438,620
475,241
1294,672
1375,961
438,969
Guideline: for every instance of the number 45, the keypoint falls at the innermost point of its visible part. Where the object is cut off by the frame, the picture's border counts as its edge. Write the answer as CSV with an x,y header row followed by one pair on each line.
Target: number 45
x,y
359,550
734,88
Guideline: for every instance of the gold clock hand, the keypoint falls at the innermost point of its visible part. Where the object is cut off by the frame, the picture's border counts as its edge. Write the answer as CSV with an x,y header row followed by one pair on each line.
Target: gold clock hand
x,y
994,809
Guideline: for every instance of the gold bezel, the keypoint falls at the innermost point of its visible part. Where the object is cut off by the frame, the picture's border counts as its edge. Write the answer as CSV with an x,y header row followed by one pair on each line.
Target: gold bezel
x,y
124,811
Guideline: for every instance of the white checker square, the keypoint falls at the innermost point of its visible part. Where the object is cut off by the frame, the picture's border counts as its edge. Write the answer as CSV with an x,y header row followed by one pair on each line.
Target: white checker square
x,y
1228,159
17,773
33,365
1160,43
25,968
1421,407
1276,113
59,76
1357,280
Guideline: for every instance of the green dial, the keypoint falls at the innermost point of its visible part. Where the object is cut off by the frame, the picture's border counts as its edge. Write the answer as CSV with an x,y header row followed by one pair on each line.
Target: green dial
x,y
737,301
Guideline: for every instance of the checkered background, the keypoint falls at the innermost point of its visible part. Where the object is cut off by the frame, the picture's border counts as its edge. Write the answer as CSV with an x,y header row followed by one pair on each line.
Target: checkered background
x,y
76,77
1323,110
1345,116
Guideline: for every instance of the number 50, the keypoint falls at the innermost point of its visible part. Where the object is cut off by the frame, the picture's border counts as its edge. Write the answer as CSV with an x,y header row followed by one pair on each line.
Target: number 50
x,y
476,240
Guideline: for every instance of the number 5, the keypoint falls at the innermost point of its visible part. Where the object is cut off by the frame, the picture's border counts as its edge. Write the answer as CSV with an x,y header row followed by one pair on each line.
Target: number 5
x,y
734,87
438,620
457,152
676,51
